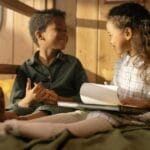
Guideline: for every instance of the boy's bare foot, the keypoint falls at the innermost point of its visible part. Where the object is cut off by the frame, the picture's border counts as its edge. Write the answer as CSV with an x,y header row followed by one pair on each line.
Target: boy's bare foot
x,y
2,105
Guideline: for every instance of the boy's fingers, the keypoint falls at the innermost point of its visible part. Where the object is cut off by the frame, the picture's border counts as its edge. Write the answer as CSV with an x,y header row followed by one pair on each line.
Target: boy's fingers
x,y
28,84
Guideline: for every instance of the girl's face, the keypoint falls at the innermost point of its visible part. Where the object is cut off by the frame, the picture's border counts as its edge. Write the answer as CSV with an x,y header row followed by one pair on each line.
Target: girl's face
x,y
55,36
118,38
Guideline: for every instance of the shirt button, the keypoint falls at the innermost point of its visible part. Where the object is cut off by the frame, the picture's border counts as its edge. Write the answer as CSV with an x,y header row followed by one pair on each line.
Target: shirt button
x,y
49,77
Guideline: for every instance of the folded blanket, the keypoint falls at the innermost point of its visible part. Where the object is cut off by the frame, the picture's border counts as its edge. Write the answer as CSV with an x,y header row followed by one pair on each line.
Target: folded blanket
x,y
125,138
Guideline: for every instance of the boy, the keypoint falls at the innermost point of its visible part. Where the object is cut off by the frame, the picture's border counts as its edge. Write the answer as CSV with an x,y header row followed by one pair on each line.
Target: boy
x,y
50,75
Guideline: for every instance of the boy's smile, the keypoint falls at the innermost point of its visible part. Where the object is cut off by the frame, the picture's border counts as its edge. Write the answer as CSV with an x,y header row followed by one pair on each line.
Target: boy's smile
x,y
55,36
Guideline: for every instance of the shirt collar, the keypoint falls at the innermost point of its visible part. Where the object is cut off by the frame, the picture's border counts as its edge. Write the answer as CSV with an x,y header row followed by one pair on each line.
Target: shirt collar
x,y
59,56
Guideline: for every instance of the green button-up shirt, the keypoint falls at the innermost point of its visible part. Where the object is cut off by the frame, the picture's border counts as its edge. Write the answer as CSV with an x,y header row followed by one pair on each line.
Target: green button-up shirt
x,y
65,76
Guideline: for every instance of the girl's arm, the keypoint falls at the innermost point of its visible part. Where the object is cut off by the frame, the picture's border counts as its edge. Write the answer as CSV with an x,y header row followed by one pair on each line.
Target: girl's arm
x,y
141,103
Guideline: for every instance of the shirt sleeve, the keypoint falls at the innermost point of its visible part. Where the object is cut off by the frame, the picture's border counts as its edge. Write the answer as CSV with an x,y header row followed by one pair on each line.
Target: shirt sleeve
x,y
19,86
18,92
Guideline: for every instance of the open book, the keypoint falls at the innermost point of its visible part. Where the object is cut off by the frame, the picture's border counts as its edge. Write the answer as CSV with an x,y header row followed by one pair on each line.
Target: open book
x,y
100,97
99,94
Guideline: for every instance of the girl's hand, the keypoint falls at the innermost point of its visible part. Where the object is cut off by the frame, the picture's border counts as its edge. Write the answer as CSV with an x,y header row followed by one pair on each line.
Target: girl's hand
x,y
50,97
129,101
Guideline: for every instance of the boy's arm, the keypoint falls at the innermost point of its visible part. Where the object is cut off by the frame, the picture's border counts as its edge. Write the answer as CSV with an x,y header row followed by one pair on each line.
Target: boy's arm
x,y
34,115
13,115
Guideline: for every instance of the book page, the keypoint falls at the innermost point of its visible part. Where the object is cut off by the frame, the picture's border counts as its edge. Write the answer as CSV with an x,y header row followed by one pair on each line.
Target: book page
x,y
92,93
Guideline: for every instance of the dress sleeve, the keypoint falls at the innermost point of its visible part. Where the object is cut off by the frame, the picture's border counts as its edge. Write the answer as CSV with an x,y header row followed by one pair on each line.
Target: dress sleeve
x,y
116,73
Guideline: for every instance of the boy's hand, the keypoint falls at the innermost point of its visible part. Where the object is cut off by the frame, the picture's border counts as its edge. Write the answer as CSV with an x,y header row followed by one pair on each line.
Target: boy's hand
x,y
32,94
38,93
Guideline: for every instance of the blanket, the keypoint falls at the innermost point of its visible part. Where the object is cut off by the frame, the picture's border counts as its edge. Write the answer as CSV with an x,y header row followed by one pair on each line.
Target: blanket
x,y
126,138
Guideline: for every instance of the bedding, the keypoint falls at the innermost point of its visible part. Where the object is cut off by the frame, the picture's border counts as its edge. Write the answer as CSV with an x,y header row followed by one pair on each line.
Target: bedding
x,y
125,138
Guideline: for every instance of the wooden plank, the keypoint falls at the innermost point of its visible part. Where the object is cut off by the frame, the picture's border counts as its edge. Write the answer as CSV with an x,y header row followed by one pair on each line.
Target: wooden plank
x,y
69,6
147,4
39,5
6,39
8,69
50,4
106,54
18,7
87,38
23,45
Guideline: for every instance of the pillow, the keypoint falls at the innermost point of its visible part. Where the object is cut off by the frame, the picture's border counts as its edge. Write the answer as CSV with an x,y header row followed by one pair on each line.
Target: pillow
x,y
6,85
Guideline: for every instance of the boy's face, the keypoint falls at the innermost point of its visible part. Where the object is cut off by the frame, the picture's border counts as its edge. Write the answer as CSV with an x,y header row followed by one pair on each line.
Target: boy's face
x,y
118,38
55,36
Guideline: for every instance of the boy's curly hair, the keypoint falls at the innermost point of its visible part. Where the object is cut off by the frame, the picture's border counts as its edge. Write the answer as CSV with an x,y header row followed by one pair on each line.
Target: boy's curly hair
x,y
41,19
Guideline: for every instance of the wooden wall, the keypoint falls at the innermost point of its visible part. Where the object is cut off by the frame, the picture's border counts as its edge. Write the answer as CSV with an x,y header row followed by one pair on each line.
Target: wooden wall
x,y
88,39
15,42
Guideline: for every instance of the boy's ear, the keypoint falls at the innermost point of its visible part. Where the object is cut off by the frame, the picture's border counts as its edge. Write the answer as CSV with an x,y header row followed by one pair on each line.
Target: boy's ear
x,y
128,33
39,35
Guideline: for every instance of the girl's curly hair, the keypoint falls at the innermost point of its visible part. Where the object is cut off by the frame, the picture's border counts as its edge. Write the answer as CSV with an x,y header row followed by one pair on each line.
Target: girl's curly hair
x,y
136,17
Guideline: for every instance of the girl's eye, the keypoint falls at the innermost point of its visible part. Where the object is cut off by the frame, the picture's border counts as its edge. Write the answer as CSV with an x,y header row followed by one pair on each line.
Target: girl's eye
x,y
61,30
110,35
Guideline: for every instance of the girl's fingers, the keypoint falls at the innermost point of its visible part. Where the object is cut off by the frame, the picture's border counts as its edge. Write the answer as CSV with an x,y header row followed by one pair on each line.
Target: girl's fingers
x,y
49,97
43,94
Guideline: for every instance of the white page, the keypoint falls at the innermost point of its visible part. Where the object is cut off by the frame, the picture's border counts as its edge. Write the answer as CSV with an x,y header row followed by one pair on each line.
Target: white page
x,y
92,93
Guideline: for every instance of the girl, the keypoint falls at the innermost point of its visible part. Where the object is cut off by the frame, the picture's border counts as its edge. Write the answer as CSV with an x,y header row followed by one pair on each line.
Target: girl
x,y
129,28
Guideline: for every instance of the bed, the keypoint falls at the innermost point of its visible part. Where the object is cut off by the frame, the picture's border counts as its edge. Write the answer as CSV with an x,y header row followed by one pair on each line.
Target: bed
x,y
125,138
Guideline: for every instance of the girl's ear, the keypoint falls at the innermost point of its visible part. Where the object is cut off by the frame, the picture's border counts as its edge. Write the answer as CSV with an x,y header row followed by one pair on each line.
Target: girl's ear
x,y
128,33
39,35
